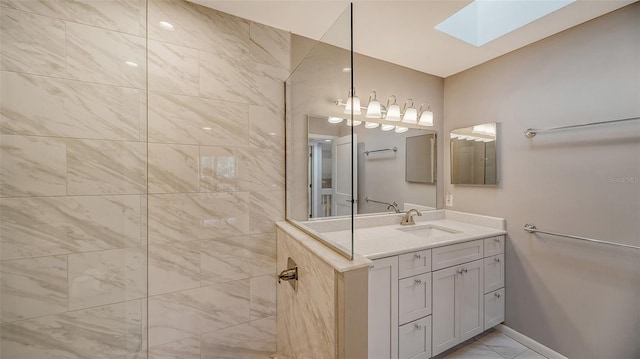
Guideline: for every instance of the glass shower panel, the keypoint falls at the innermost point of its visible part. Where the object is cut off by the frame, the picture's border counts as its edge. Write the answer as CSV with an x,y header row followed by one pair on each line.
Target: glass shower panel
x,y
320,148
73,179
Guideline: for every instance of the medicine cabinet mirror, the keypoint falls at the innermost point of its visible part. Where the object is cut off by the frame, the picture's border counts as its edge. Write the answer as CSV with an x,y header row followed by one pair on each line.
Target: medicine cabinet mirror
x,y
474,155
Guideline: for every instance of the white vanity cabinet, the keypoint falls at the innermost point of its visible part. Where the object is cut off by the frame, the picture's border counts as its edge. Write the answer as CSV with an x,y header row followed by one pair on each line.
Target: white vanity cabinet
x,y
424,302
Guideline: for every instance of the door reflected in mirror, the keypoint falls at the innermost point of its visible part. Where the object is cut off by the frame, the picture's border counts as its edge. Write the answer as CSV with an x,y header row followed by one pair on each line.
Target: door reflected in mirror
x,y
474,155
390,169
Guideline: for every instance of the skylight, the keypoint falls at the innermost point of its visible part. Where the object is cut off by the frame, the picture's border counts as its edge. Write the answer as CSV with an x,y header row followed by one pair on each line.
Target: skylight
x,y
483,21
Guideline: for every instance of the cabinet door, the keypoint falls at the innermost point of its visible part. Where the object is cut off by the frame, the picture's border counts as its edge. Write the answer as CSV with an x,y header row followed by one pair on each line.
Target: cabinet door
x,y
493,273
470,297
493,308
445,334
414,339
383,308
414,298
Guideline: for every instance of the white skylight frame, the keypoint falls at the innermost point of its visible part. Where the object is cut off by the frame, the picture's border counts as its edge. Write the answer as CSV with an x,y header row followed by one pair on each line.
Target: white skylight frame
x,y
483,21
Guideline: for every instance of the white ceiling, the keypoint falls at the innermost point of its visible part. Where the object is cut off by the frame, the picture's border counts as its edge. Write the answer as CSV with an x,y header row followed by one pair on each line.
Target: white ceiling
x,y
402,32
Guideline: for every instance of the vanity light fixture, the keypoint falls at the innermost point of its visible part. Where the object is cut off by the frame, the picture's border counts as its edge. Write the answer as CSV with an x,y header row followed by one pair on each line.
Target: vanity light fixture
x,y
353,102
387,127
426,116
393,110
410,115
401,129
355,123
335,119
371,125
374,109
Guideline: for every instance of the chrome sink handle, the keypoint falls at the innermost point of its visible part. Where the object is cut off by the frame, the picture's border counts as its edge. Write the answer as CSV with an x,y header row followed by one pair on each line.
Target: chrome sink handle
x,y
407,219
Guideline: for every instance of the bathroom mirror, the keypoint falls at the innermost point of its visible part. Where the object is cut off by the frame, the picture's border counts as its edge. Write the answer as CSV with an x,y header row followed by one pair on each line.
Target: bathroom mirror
x,y
389,167
420,164
474,155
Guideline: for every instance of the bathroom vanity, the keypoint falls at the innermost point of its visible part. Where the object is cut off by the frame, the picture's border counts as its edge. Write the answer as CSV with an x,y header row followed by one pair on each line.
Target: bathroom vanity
x,y
426,301
431,285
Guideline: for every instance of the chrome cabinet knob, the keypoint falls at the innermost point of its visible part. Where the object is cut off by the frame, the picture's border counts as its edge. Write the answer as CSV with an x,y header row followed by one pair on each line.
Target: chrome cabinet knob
x,y
497,260
417,256
417,282
497,295
464,270
418,327
459,271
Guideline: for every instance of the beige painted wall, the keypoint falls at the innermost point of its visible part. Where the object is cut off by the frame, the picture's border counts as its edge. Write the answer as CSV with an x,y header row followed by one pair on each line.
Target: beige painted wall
x,y
581,299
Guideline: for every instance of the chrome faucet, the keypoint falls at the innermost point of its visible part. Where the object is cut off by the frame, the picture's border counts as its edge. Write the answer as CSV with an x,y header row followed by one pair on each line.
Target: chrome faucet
x,y
408,218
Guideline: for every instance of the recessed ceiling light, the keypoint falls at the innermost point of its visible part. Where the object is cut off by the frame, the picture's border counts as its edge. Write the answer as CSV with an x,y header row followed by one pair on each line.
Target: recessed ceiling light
x,y
131,63
166,25
483,21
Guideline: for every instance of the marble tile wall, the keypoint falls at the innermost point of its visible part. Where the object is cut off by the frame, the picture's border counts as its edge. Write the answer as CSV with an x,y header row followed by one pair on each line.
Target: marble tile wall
x,y
117,199
73,181
216,181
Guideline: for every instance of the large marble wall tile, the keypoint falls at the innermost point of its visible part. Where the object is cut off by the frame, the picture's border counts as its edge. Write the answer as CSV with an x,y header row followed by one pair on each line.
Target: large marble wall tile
x,y
106,277
225,259
105,56
106,167
192,312
306,319
181,349
266,208
219,169
270,46
267,86
38,105
174,267
173,69
185,217
198,27
261,169
32,166
266,128
225,77
192,120
253,340
31,43
33,287
263,296
99,333
121,15
34,227
173,168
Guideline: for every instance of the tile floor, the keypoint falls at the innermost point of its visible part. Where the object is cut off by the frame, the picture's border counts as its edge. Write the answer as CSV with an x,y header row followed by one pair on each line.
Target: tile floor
x,y
490,345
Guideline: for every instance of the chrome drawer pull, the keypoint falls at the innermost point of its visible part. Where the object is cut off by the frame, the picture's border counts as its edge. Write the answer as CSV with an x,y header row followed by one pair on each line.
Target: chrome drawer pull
x,y
497,260
464,270
497,295
417,282
417,256
418,327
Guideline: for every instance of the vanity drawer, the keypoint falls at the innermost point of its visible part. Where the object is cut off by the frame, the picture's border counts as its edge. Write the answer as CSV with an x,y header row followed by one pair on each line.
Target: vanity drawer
x,y
493,273
414,298
493,308
455,254
493,246
414,339
414,263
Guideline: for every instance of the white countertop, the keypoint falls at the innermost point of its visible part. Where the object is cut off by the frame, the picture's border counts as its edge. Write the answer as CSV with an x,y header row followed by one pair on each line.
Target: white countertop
x,y
387,240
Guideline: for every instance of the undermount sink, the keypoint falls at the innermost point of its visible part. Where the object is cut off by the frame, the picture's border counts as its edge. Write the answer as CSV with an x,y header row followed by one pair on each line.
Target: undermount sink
x,y
428,231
